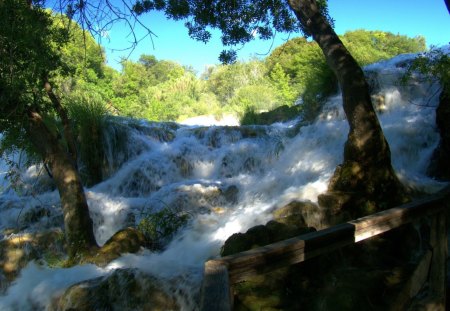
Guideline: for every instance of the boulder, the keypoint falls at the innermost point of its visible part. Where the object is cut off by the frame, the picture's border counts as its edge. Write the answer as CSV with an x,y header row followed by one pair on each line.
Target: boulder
x,y
128,240
299,214
16,251
123,289
261,235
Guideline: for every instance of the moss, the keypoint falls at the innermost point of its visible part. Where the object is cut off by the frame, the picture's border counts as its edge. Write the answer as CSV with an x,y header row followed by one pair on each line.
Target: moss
x,y
128,240
123,289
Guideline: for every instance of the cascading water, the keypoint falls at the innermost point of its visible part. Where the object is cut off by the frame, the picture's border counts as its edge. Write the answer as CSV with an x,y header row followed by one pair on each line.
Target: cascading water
x,y
226,179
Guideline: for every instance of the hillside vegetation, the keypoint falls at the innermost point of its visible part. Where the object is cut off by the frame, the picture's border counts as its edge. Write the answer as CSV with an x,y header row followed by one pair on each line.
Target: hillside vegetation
x,y
162,90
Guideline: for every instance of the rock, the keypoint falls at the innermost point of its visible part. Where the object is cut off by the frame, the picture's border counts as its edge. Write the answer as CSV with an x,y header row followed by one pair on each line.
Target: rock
x,y
124,290
230,194
299,214
333,205
17,251
128,240
261,235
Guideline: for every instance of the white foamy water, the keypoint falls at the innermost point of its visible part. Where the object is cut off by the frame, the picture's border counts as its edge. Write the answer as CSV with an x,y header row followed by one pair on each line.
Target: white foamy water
x,y
198,170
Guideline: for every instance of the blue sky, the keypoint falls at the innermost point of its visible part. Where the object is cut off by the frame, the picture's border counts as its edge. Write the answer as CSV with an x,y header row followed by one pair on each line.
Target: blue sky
x,y
428,18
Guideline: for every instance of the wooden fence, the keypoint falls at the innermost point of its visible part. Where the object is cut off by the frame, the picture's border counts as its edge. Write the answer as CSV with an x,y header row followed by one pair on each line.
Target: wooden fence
x,y
220,274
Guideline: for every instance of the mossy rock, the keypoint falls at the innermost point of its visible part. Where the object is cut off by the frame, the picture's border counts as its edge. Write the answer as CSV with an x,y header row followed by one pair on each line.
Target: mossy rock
x,y
124,290
128,240
17,251
261,235
298,214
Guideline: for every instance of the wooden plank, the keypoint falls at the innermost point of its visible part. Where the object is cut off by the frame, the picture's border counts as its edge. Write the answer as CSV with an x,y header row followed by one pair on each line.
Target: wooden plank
x,y
369,226
216,294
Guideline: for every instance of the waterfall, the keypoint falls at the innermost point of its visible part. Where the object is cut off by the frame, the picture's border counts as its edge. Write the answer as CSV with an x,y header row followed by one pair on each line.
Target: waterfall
x,y
226,178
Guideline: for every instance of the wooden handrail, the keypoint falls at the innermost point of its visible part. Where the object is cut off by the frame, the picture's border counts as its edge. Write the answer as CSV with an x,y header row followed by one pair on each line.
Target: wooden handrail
x,y
221,273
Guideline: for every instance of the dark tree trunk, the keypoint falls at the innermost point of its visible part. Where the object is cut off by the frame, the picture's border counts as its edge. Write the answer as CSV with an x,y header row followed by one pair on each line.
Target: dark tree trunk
x,y
77,221
367,168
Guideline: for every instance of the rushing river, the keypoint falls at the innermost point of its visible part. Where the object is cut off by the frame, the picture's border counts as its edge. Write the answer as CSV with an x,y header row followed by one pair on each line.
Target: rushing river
x,y
226,178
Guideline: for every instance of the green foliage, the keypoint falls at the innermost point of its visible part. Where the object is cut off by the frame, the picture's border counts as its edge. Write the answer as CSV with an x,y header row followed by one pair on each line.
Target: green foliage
x,y
250,117
372,46
308,75
260,97
151,89
243,86
281,82
434,64
34,46
295,72
225,80
159,227
28,54
83,56
88,114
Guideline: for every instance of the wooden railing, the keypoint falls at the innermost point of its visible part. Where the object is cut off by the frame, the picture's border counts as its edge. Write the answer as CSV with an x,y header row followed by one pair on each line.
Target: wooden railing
x,y
220,274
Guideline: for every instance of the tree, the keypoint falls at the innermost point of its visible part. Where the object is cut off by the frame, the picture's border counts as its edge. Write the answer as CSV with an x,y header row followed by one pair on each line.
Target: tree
x,y
367,168
372,46
310,76
29,55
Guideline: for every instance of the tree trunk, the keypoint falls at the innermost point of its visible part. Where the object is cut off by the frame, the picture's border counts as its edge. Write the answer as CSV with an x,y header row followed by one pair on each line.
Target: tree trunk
x,y
367,169
77,221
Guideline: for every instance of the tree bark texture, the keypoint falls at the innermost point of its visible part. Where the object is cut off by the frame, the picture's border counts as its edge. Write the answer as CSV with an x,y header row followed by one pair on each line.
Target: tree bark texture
x,y
367,167
77,221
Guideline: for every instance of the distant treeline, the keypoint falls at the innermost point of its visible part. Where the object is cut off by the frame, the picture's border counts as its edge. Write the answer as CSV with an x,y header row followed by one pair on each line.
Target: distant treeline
x,y
161,90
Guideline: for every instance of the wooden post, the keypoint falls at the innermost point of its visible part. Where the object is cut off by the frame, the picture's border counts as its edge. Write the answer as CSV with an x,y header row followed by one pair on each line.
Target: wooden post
x,y
438,269
216,294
